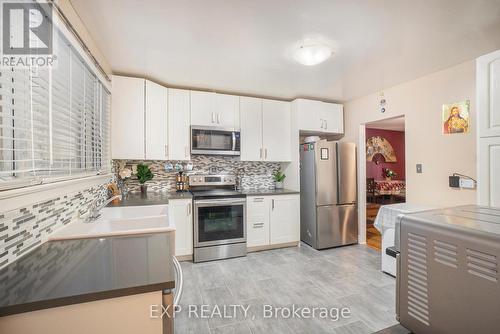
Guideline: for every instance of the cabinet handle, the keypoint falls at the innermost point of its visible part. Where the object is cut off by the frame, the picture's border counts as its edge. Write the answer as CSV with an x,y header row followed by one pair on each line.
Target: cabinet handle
x,y
213,117
166,151
218,118
189,209
326,124
258,200
260,153
265,154
258,225
273,204
186,152
321,123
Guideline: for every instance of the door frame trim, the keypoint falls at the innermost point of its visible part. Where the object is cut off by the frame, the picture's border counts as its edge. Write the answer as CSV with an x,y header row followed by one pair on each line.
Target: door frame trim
x,y
362,174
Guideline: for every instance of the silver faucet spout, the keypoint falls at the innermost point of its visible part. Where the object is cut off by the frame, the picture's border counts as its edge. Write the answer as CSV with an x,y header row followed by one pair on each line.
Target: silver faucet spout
x,y
95,209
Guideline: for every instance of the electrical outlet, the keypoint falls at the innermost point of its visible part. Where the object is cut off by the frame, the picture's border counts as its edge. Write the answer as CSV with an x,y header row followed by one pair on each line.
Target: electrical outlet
x,y
467,183
454,181
419,168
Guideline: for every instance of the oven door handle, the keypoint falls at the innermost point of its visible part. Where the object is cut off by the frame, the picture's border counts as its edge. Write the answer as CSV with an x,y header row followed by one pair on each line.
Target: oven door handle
x,y
220,201
233,148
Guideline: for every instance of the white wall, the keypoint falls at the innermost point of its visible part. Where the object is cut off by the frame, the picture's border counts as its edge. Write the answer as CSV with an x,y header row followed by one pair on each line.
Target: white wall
x,y
421,102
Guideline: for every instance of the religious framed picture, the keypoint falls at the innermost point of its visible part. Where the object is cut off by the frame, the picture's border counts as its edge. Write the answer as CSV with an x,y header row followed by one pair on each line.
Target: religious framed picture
x,y
456,117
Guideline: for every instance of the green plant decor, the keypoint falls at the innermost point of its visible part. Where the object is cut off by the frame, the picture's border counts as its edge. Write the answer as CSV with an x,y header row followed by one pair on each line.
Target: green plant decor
x,y
144,174
279,176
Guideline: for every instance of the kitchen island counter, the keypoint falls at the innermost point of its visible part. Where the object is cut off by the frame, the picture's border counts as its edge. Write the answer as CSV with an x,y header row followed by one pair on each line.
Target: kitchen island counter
x,y
60,273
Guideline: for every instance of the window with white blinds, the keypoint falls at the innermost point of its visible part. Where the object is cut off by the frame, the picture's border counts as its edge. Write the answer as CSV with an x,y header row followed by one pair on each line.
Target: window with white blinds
x,y
54,122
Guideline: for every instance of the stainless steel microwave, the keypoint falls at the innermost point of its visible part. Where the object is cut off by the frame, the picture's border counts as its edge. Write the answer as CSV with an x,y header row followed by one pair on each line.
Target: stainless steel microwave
x,y
214,141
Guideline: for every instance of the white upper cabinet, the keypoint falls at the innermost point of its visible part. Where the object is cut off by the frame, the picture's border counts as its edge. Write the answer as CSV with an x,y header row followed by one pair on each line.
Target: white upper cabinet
x,y
127,118
332,116
251,129
227,110
139,121
203,109
309,114
317,116
179,119
217,110
488,94
156,121
276,130
265,130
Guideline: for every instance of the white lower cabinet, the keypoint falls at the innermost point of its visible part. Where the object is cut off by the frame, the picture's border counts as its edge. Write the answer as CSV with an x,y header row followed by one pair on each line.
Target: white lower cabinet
x,y
285,219
180,211
258,215
273,220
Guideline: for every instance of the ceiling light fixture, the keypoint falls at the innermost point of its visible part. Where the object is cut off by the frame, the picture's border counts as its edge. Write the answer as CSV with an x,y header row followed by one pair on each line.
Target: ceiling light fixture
x,y
312,54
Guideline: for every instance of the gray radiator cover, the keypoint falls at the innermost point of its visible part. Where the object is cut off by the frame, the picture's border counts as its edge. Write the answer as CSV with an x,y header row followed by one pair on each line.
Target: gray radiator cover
x,y
448,271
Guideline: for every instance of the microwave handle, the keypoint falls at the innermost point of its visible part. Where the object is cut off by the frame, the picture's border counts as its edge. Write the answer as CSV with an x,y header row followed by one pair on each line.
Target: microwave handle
x,y
234,141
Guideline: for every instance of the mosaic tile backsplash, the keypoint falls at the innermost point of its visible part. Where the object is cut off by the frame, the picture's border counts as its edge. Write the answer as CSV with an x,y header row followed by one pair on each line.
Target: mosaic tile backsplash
x,y
23,229
254,174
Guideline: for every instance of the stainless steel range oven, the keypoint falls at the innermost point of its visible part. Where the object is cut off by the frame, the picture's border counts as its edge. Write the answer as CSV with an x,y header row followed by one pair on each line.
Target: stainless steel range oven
x,y
219,218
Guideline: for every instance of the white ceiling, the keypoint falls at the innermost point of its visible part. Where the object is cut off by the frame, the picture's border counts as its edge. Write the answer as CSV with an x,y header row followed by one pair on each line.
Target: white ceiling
x,y
242,46
394,124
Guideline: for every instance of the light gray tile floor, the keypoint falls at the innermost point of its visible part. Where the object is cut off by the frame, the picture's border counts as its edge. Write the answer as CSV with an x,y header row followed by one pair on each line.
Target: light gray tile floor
x,y
341,277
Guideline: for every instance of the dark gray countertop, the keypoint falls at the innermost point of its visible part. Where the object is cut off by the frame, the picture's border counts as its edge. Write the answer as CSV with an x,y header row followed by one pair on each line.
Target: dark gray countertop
x,y
268,192
60,273
151,198
155,198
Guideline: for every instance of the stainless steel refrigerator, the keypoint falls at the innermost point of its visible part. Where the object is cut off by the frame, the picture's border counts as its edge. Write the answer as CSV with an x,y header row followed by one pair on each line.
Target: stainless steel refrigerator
x,y
328,194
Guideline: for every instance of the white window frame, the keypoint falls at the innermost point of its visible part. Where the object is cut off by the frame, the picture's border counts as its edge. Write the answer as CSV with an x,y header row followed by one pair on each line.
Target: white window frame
x,y
11,190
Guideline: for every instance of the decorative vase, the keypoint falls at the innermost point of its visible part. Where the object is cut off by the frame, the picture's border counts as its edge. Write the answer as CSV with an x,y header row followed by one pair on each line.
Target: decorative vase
x,y
278,185
144,188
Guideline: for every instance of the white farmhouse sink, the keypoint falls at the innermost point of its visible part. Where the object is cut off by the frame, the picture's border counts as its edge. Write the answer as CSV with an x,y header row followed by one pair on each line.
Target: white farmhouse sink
x,y
116,221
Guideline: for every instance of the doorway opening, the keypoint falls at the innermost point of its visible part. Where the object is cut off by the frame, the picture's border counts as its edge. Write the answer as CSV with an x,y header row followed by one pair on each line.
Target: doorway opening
x,y
385,171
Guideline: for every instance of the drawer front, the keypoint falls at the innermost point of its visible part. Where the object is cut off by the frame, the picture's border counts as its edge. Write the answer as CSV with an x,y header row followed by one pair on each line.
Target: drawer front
x,y
258,211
